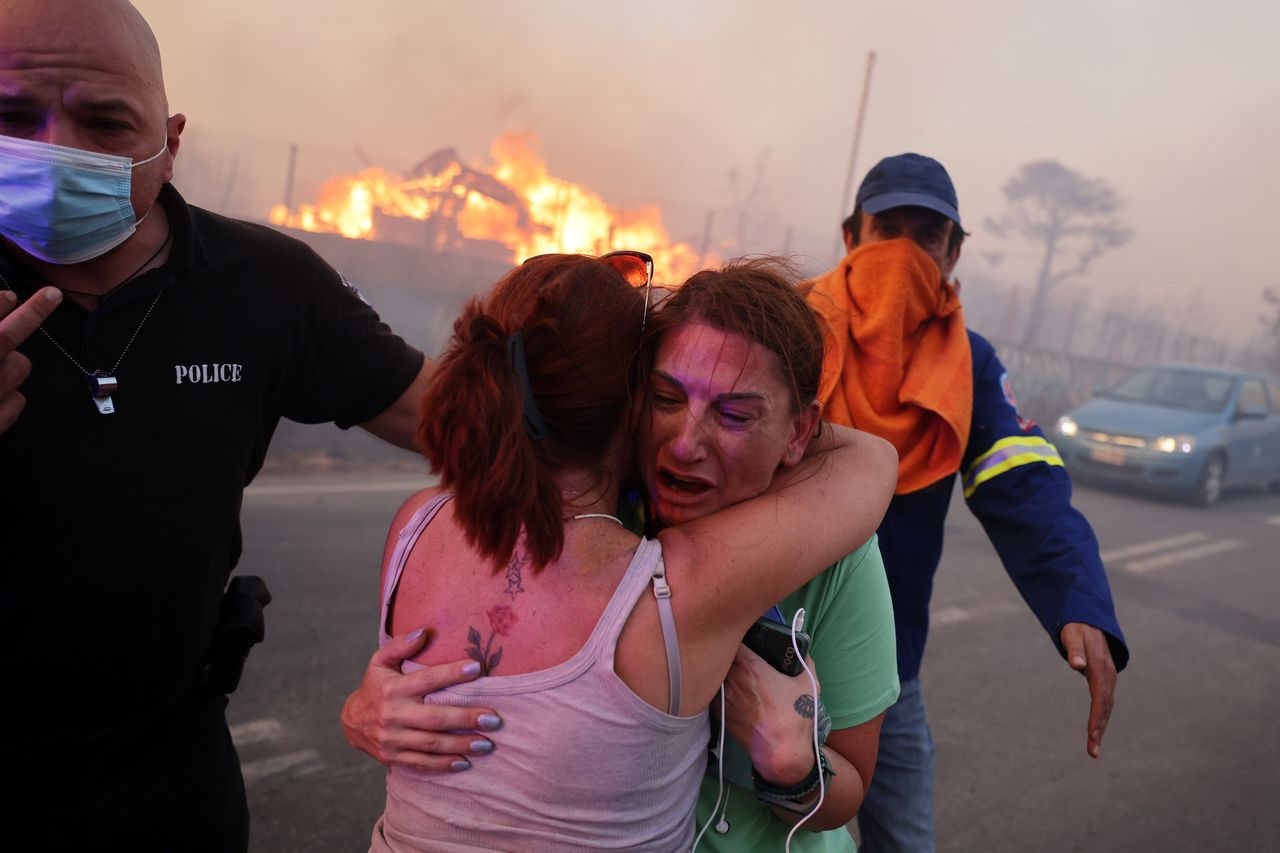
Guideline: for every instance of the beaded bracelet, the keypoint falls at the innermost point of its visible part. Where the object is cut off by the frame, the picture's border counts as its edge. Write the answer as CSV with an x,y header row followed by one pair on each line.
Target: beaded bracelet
x,y
799,793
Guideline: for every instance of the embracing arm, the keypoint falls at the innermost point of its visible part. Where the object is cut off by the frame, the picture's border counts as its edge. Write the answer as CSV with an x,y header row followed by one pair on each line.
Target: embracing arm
x,y
386,716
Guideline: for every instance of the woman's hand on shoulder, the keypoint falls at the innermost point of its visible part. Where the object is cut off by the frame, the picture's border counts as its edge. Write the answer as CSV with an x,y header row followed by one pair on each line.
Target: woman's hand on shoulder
x,y
386,716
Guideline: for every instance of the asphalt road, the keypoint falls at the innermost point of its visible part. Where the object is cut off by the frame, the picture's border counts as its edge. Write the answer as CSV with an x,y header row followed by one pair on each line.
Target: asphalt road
x,y
1188,763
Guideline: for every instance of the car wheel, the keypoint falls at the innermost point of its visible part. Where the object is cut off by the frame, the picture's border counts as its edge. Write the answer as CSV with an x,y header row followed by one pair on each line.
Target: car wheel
x,y
1209,488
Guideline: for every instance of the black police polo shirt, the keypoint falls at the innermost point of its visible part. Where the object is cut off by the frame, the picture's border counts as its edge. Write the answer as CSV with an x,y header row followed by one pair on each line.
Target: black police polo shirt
x,y
119,530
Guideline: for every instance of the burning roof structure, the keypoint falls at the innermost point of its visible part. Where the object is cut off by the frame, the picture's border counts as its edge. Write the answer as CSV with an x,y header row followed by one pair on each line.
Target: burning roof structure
x,y
511,212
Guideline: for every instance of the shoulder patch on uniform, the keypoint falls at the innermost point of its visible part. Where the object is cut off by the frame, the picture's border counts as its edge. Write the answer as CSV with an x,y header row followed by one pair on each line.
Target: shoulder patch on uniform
x,y
1006,387
349,286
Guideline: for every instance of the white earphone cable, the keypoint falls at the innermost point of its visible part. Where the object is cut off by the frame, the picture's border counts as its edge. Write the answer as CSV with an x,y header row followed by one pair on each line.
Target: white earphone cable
x,y
720,789
796,623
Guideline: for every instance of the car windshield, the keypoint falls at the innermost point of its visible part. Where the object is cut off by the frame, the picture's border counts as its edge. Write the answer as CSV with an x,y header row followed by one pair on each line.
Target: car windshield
x,y
1176,388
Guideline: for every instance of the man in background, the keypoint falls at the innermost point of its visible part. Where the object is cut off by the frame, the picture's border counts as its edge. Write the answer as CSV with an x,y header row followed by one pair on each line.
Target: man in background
x,y
902,365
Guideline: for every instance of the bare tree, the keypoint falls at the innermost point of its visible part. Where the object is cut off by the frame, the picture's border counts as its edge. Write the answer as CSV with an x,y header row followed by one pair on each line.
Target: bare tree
x,y
1068,215
752,208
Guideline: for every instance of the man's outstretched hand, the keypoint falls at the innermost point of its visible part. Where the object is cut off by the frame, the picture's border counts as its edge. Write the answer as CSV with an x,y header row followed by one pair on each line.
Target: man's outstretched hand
x,y
1088,652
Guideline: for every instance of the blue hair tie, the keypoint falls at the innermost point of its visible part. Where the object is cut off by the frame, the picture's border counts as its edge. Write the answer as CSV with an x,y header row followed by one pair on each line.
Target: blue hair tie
x,y
533,423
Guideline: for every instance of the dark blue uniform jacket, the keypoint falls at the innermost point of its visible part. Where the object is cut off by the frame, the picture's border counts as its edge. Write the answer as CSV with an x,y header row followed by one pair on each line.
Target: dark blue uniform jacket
x,y
1016,485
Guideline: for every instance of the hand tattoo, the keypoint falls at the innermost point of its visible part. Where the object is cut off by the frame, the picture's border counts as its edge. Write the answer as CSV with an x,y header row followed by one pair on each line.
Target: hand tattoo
x,y
806,707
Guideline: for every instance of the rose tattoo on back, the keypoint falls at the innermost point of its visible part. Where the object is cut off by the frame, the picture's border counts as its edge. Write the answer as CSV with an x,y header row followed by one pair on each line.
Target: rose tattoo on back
x,y
501,618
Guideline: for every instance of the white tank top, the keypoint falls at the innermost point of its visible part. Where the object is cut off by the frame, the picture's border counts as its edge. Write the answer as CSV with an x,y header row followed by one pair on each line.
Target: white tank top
x,y
581,763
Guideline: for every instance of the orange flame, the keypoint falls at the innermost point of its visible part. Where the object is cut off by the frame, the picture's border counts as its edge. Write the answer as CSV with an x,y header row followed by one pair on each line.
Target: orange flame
x,y
518,205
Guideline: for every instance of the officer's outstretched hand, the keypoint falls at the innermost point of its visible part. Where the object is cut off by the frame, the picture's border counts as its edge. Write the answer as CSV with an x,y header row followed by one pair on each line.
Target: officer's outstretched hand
x,y
386,717
17,323
1088,652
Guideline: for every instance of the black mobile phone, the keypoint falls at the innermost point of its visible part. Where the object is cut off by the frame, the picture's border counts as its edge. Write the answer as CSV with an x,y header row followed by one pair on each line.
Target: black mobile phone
x,y
772,641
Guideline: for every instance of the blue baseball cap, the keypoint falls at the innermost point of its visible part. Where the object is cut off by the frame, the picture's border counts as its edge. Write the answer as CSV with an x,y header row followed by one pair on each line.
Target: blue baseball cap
x,y
908,180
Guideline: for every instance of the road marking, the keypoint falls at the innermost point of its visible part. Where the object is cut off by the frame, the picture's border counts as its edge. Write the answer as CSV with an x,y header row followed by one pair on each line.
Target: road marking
x,y
954,615
949,616
257,731
1154,545
303,761
1206,550
275,489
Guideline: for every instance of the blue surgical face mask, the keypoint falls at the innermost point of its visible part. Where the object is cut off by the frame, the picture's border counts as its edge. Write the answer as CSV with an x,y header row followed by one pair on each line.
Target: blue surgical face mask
x,y
64,205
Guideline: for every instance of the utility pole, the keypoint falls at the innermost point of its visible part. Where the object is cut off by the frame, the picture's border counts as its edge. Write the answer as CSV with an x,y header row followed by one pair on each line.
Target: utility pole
x,y
289,175
706,239
853,155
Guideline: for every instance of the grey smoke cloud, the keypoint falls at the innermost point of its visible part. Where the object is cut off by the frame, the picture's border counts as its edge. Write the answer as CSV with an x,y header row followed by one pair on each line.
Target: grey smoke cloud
x,y
1174,104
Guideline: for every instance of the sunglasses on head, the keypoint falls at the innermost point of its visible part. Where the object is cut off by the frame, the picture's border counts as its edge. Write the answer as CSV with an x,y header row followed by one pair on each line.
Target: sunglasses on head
x,y
636,269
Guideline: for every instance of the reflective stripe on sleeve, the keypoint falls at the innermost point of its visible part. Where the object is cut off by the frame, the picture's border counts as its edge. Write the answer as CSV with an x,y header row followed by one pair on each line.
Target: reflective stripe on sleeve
x,y
1009,453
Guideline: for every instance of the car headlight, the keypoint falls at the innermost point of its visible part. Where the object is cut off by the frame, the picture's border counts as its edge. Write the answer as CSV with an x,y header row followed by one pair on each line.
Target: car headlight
x,y
1174,443
1068,427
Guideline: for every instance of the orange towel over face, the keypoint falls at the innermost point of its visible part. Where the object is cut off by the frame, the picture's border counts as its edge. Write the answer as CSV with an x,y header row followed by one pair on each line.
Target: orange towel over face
x,y
897,361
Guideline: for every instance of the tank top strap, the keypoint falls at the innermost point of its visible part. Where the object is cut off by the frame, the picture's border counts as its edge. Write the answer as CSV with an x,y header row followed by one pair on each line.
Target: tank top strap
x,y
408,537
647,568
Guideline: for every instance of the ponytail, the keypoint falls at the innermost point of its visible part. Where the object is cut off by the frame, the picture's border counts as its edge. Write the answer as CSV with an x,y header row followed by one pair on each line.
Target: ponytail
x,y
535,379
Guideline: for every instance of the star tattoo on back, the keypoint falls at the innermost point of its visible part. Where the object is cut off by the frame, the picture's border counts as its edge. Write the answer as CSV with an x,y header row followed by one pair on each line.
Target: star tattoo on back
x,y
515,568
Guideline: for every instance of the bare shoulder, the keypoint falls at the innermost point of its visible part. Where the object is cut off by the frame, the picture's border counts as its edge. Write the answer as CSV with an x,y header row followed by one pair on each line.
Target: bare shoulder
x,y
411,505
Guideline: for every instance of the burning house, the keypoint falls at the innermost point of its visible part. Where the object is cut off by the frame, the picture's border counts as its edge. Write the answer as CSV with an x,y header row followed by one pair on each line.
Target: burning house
x,y
419,244
515,211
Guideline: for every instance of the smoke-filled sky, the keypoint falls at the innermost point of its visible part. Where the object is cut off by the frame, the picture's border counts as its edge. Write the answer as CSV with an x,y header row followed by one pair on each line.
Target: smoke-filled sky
x,y
1174,103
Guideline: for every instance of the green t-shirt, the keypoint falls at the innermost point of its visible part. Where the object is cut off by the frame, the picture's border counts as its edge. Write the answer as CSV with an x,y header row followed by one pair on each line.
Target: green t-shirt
x,y
849,617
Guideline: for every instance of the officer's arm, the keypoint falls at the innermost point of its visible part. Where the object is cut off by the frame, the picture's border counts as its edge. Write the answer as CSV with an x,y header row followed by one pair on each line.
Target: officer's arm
x,y
398,423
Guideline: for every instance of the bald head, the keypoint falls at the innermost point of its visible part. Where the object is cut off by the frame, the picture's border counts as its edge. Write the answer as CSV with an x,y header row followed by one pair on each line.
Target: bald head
x,y
86,74
107,38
